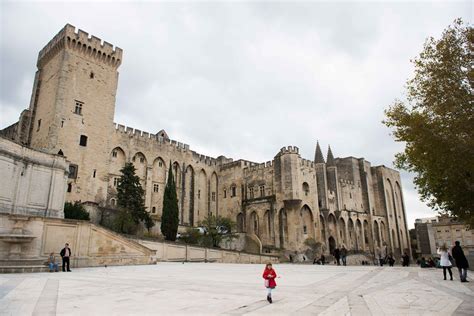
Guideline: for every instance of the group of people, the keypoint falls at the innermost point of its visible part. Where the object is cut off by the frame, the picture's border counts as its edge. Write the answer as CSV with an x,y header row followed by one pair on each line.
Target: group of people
x,y
65,254
446,262
427,263
457,255
383,257
340,254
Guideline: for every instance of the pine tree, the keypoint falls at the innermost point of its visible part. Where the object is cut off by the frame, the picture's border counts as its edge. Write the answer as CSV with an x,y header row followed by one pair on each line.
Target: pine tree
x,y
130,199
170,217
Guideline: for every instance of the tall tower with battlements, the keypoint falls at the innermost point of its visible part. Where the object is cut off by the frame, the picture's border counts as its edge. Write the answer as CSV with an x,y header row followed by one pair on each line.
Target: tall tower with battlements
x,y
72,106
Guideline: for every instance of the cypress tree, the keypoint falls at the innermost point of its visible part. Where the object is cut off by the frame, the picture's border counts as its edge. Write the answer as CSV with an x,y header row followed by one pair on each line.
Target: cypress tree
x,y
170,216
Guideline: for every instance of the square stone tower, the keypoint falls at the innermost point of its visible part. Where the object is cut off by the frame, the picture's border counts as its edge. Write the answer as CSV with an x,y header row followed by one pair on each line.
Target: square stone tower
x,y
72,107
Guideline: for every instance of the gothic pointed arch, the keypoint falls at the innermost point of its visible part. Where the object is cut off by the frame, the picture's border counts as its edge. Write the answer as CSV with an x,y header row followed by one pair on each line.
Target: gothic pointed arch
x,y
283,227
202,195
254,224
188,192
213,194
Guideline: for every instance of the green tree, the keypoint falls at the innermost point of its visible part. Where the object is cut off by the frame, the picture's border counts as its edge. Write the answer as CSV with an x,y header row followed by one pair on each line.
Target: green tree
x,y
437,123
192,236
130,200
75,211
216,229
170,216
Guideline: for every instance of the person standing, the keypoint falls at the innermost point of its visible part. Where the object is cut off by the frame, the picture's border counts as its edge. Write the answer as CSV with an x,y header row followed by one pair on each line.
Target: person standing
x,y
405,260
390,260
337,256
445,263
461,262
66,255
343,255
269,275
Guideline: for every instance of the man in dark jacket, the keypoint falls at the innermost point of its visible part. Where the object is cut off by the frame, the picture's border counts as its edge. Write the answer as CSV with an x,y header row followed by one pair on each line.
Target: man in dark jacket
x,y
337,255
461,261
405,260
66,253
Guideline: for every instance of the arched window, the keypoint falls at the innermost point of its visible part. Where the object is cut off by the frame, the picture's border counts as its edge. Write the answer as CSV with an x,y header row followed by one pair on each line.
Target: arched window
x,y
240,222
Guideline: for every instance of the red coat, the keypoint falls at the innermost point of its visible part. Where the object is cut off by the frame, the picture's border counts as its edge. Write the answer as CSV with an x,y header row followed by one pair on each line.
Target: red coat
x,y
270,275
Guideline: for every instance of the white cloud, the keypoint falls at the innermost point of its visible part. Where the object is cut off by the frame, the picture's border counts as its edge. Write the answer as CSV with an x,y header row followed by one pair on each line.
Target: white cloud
x,y
244,79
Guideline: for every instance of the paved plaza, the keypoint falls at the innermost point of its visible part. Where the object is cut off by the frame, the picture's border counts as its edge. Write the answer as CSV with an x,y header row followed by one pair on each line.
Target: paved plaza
x,y
235,289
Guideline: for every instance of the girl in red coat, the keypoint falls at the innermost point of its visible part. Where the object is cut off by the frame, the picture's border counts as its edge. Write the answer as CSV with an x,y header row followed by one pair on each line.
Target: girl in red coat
x,y
269,275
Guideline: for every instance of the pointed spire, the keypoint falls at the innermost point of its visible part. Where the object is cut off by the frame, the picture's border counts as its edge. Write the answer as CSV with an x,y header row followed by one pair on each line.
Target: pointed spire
x,y
318,155
330,158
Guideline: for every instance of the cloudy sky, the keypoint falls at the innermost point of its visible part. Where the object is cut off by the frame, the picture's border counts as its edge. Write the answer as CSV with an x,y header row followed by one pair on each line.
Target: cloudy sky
x,y
243,79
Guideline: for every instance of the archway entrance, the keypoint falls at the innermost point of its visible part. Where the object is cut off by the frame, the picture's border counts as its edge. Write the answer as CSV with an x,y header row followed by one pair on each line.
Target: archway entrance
x,y
332,244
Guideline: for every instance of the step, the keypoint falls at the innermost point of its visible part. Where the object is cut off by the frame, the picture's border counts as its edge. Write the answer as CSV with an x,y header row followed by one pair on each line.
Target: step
x,y
23,262
23,269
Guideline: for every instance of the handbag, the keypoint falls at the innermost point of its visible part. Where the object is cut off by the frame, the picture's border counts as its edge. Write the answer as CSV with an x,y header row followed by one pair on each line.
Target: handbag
x,y
267,283
451,259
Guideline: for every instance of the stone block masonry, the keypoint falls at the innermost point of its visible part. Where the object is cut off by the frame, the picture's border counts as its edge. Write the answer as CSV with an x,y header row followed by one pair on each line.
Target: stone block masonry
x,y
282,202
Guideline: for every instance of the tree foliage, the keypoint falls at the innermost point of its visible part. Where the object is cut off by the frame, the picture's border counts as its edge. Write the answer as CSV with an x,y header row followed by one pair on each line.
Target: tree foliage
x,y
437,123
170,216
75,211
130,200
192,236
216,229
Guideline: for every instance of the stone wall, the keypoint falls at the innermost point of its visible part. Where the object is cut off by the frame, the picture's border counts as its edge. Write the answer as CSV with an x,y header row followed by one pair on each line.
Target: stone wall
x,y
32,182
91,245
180,252
283,202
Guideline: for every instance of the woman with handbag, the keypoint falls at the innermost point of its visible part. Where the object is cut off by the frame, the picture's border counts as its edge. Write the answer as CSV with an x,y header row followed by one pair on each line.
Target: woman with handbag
x,y
269,275
444,262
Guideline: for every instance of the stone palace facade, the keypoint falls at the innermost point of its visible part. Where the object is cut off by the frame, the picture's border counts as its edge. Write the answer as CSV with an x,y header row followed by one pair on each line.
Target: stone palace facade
x,y
283,201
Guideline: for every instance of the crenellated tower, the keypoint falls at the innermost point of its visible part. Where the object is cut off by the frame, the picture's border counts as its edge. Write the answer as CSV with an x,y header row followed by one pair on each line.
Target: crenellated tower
x,y
72,106
287,174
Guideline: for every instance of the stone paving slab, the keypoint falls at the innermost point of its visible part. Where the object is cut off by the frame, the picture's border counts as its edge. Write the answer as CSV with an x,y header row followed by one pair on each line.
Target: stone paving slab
x,y
235,289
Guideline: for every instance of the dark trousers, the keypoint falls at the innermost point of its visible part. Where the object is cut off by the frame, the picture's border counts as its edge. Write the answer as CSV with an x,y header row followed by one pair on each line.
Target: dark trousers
x,y
450,272
66,262
462,274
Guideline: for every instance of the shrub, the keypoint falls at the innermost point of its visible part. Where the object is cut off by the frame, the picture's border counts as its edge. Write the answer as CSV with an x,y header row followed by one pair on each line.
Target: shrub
x,y
75,211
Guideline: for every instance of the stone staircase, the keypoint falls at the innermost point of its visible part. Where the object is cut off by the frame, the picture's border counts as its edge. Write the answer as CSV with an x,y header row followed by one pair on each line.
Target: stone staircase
x,y
23,265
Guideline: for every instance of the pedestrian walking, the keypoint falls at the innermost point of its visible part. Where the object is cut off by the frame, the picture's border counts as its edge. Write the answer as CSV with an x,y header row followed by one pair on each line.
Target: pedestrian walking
x,y
269,275
343,255
337,256
444,262
461,262
66,255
